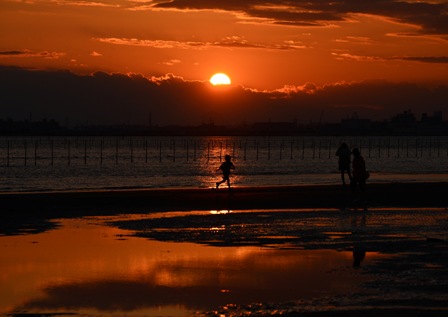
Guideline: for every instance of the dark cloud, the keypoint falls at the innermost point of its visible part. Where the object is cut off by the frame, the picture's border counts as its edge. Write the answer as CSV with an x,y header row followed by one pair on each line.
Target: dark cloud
x,y
430,16
121,98
28,53
12,53
428,59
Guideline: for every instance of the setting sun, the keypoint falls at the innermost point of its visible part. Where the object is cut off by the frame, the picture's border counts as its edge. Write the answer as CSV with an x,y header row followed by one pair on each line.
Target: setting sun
x,y
220,79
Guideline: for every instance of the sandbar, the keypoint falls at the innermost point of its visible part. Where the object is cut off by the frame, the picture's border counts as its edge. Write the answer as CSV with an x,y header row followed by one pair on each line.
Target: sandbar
x,y
95,202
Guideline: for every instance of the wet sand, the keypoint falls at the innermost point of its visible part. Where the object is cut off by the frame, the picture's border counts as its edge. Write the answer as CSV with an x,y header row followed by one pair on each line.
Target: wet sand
x,y
148,200
31,211
408,222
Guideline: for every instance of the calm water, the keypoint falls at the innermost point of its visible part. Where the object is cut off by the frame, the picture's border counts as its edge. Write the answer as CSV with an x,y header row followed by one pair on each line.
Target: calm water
x,y
67,163
180,263
88,268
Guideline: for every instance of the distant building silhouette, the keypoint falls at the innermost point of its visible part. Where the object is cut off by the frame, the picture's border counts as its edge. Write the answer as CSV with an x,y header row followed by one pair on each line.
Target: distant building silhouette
x,y
28,127
437,117
356,124
269,128
403,123
433,125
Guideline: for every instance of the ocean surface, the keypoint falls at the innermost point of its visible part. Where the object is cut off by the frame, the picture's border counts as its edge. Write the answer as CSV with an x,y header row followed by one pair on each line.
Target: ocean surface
x,y
91,163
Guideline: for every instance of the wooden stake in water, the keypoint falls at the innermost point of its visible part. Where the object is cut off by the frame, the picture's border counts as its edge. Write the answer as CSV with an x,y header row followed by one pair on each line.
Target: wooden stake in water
x,y
303,149
25,148
256,145
52,152
269,150
292,146
160,151
416,147
35,153
116,151
388,148
68,152
194,151
281,150
101,152
430,147
421,148
208,151
245,150
131,144
174,150
320,147
407,148
7,153
370,144
379,148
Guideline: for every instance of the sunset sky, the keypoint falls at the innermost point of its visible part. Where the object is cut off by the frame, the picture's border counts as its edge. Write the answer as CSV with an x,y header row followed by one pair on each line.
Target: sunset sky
x,y
269,47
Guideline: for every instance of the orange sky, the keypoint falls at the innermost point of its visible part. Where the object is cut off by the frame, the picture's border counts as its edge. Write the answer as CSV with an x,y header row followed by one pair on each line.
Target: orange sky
x,y
286,60
259,45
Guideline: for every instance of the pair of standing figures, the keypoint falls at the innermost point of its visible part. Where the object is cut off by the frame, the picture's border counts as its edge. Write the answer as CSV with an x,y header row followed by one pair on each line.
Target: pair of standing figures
x,y
359,174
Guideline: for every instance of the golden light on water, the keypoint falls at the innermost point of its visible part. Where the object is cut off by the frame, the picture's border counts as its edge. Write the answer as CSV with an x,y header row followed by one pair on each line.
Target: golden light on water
x,y
112,262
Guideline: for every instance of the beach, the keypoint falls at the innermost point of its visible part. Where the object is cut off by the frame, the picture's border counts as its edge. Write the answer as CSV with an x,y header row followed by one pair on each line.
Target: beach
x,y
428,194
396,232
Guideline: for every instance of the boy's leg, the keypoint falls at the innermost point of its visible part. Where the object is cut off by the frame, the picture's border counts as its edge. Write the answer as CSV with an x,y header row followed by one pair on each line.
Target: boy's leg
x,y
224,178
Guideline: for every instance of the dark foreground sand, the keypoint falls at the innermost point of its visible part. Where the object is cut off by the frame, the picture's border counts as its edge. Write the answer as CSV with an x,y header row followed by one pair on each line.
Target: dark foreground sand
x,y
32,211
408,221
147,200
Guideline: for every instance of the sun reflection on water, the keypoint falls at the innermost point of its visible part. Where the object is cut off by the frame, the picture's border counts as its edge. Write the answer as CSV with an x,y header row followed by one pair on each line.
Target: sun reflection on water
x,y
86,266
220,212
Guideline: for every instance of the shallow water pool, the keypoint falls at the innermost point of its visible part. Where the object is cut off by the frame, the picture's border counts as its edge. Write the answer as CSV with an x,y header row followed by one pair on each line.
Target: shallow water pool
x,y
87,267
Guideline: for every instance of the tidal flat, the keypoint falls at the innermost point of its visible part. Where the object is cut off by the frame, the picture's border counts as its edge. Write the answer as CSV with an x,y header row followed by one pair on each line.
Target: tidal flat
x,y
251,262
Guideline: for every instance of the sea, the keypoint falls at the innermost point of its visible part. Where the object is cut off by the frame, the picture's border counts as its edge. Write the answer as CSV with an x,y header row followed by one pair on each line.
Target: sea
x,y
62,163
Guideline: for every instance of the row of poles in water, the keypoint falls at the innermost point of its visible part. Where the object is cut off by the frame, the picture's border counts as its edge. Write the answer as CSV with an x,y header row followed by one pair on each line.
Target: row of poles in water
x,y
191,149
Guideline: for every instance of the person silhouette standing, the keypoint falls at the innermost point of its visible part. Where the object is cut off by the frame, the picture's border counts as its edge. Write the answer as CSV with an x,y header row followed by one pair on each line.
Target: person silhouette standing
x,y
343,153
225,167
359,254
359,174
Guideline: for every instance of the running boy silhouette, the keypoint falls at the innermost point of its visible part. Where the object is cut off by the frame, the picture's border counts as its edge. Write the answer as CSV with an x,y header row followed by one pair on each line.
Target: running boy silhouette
x,y
225,167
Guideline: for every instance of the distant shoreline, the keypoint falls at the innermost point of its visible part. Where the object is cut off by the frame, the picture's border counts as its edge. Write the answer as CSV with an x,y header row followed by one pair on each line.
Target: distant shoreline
x,y
96,202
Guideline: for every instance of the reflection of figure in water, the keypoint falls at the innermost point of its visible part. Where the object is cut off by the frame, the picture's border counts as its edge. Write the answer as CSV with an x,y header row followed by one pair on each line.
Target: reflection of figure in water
x,y
359,174
358,256
343,153
225,167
